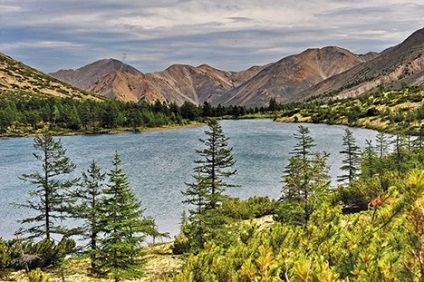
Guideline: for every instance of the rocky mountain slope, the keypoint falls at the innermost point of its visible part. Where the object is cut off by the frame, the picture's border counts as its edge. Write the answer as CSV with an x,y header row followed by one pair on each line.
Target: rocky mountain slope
x,y
403,63
329,71
286,78
18,77
178,83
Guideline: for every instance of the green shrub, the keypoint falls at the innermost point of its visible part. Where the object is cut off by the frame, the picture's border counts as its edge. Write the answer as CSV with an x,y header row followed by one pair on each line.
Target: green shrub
x,y
37,275
253,207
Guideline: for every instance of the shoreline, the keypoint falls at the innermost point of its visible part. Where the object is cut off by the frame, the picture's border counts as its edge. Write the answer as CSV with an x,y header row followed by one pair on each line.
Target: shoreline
x,y
114,131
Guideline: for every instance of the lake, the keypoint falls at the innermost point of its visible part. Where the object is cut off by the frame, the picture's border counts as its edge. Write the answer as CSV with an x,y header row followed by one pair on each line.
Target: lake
x,y
158,163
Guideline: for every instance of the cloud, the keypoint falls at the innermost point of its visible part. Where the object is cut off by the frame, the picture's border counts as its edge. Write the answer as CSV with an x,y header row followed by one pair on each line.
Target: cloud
x,y
231,35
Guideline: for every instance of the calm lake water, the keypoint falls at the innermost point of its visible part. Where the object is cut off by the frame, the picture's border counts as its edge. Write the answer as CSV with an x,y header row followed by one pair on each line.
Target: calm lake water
x,y
158,163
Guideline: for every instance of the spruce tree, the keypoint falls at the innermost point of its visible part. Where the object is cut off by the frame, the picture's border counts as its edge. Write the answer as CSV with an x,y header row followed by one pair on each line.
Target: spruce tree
x,y
87,207
123,227
49,198
351,164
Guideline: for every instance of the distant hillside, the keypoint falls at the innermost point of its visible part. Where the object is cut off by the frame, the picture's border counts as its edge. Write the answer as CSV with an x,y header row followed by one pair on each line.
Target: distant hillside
x,y
329,71
403,63
16,77
179,83
286,78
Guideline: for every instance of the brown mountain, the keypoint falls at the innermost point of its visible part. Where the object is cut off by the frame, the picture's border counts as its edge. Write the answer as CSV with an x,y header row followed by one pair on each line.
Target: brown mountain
x,y
18,77
403,63
126,86
111,78
286,78
180,83
329,70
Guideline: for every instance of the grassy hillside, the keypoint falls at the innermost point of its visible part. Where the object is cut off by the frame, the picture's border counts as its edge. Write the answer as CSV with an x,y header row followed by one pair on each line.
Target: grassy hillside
x,y
396,111
18,78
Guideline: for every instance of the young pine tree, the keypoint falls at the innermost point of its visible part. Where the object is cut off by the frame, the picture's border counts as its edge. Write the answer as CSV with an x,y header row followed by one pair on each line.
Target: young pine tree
x,y
351,164
48,199
123,228
87,207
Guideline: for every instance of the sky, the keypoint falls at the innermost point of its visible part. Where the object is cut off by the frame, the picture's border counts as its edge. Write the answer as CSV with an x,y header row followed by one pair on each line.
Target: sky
x,y
231,35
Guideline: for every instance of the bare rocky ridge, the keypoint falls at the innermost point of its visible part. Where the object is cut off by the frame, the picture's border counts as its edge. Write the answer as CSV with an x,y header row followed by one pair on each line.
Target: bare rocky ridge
x,y
282,80
402,63
286,78
181,83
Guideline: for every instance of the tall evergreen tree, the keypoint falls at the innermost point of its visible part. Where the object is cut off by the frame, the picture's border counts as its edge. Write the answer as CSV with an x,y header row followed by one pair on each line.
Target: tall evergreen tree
x,y
305,179
123,227
351,164
49,198
87,207
216,163
368,160
382,144
206,192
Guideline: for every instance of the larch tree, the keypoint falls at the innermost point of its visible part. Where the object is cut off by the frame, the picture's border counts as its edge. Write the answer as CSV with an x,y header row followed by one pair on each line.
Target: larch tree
x,y
305,179
123,228
48,200
368,160
216,164
382,144
205,194
351,163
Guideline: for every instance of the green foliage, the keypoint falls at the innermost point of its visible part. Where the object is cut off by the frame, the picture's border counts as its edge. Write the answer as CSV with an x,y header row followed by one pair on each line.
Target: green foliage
x,y
253,207
37,275
382,244
306,180
119,253
45,253
205,194
351,162
396,111
86,206
49,198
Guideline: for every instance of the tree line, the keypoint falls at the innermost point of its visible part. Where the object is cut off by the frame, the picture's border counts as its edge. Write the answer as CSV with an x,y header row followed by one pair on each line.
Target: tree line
x,y
24,113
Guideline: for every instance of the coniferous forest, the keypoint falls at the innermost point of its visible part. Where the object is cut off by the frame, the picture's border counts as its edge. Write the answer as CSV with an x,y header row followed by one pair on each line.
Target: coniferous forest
x,y
369,227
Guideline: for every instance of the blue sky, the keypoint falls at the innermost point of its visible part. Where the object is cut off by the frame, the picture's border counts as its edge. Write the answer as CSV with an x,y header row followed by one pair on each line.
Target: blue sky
x,y
229,35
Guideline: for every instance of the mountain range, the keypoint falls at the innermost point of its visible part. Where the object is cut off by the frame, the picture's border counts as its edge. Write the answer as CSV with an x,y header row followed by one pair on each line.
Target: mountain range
x,y
319,72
